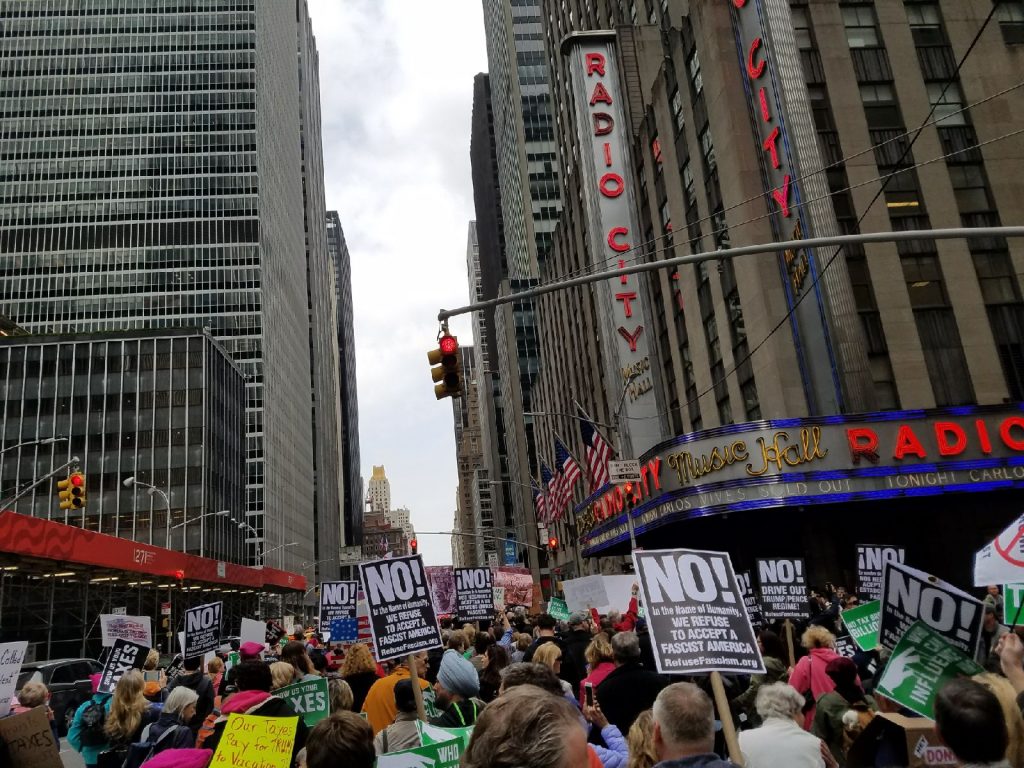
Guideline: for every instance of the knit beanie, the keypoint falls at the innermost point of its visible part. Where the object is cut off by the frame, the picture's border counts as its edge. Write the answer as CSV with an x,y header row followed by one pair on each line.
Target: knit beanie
x,y
180,758
458,675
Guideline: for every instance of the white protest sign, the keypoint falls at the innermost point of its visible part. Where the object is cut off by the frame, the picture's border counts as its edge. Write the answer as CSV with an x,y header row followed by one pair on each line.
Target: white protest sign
x,y
871,561
202,629
252,631
337,601
584,593
124,656
474,594
135,629
782,582
402,618
910,595
12,656
1001,561
695,612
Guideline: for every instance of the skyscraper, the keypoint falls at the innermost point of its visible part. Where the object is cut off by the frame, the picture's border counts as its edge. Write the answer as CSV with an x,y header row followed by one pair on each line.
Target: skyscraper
x,y
378,492
352,507
151,176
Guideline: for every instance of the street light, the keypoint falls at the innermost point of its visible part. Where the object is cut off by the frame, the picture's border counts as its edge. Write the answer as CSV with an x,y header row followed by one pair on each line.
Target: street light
x,y
131,482
263,555
39,441
201,517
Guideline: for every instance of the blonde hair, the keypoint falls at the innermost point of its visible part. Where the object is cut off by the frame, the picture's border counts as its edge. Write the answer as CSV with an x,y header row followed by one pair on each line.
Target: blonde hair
x,y
357,659
1003,690
281,673
640,740
457,641
817,637
341,695
523,641
126,708
33,694
215,666
547,654
152,659
600,649
470,632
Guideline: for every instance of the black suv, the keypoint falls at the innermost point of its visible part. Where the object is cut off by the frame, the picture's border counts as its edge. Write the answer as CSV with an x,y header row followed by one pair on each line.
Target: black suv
x,y
67,681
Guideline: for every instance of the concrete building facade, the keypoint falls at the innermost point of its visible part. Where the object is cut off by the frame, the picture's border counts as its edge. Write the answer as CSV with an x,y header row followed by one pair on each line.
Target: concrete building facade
x,y
378,492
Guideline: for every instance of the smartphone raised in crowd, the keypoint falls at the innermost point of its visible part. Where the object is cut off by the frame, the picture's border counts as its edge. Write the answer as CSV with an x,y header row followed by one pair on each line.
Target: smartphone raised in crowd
x,y
588,692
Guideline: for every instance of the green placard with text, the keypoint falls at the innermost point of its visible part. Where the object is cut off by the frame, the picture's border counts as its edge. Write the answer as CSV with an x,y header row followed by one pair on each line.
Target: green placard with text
x,y
309,698
558,609
444,754
862,624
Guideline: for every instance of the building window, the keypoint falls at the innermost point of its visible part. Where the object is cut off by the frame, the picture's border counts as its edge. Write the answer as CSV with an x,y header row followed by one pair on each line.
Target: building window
x,y
695,77
677,110
688,185
861,26
925,24
708,148
944,357
970,188
1011,21
924,281
802,28
949,106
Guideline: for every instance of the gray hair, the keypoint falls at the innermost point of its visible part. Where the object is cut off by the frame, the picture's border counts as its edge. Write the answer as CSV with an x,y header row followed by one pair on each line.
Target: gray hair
x,y
778,700
179,699
685,716
626,647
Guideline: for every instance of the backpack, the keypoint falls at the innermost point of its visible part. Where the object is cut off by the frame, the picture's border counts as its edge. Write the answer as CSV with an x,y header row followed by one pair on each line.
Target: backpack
x,y
855,720
94,715
141,751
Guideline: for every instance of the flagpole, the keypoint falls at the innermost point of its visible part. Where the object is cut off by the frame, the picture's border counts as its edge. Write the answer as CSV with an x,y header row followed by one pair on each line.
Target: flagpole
x,y
578,556
593,424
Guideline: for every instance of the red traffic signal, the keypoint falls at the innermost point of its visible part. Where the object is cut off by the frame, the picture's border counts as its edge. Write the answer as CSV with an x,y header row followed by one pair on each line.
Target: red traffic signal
x,y
448,345
448,371
413,545
77,479
553,543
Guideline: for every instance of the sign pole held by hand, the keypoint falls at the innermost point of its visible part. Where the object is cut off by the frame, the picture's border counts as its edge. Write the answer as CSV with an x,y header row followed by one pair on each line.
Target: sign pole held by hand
x,y
417,692
725,717
789,641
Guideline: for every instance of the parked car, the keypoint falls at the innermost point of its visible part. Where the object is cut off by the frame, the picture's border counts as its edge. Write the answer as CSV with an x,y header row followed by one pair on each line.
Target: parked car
x,y
67,681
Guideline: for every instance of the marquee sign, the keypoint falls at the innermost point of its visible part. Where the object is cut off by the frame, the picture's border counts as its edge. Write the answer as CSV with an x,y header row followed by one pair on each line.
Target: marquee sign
x,y
610,208
813,461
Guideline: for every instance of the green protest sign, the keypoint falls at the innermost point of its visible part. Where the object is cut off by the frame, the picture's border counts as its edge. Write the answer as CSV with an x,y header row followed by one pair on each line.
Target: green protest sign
x,y
1013,597
309,698
430,704
444,754
558,609
435,734
921,663
862,623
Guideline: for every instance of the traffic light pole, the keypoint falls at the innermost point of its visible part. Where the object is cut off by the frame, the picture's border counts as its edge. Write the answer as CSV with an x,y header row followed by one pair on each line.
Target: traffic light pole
x,y
13,499
491,537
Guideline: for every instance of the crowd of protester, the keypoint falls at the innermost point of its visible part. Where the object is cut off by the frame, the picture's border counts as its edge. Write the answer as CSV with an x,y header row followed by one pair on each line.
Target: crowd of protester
x,y
539,693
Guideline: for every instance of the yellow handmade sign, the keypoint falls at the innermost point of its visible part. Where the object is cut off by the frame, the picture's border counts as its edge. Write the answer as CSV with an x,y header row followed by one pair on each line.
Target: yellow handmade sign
x,y
251,741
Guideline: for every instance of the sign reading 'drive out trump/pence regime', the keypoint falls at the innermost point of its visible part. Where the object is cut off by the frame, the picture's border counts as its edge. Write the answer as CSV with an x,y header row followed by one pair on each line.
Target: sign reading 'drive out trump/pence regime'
x,y
783,588
910,595
474,594
402,618
695,612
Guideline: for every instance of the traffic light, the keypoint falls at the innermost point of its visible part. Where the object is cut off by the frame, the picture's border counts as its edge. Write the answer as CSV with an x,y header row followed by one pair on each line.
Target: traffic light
x,y
71,491
413,544
448,371
553,543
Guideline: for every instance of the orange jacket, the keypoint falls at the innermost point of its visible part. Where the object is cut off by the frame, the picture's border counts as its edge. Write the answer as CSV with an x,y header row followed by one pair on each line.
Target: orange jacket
x,y
380,706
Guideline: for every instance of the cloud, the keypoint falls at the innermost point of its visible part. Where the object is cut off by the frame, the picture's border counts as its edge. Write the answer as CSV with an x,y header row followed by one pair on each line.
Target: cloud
x,y
396,92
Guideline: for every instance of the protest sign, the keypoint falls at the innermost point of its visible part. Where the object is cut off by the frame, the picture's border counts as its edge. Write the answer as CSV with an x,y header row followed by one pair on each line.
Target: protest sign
x,y
344,630
846,647
435,734
783,588
585,593
337,601
1001,561
921,663
910,594
443,754
253,632
402,618
29,741
862,624
558,609
202,629
474,594
499,596
309,698
746,584
695,613
871,561
442,588
256,742
1013,601
136,629
517,583
123,657
12,656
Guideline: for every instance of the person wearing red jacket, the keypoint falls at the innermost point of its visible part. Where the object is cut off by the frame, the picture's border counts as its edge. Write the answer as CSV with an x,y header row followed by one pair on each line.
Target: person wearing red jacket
x,y
622,622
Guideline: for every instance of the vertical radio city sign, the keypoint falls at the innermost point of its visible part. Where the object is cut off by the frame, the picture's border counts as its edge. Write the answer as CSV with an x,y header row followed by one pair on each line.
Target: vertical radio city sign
x,y
798,200
605,174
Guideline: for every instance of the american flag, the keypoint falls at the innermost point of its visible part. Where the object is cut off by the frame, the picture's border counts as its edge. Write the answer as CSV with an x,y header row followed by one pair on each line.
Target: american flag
x,y
539,500
570,473
552,484
597,454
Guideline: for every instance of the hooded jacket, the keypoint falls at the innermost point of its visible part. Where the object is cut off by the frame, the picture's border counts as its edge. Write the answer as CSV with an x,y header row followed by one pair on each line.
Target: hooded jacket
x,y
379,705
256,703
200,683
182,738
809,674
90,755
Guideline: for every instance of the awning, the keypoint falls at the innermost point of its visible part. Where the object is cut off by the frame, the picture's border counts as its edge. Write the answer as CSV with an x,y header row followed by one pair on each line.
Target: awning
x,y
68,545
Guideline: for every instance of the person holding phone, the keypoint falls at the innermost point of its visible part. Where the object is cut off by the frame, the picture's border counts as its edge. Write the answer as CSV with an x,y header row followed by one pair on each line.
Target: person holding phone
x,y
616,754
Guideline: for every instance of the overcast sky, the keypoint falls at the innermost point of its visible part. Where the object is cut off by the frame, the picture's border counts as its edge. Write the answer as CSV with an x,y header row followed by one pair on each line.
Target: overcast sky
x,y
396,91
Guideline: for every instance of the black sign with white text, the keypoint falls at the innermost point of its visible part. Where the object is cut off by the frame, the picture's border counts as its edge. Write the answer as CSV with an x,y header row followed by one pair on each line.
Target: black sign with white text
x,y
910,595
746,584
695,612
124,656
202,629
402,618
337,601
782,583
871,560
473,594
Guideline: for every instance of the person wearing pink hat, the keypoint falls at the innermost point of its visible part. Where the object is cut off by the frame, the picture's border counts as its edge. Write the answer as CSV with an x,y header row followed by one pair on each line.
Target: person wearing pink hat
x,y
180,758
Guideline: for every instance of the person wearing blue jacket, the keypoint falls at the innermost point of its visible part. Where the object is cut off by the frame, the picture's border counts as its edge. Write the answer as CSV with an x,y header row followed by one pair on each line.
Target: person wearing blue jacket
x,y
90,741
616,752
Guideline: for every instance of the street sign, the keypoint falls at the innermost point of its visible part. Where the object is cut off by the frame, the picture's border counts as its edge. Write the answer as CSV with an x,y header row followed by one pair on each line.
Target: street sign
x,y
492,559
627,471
